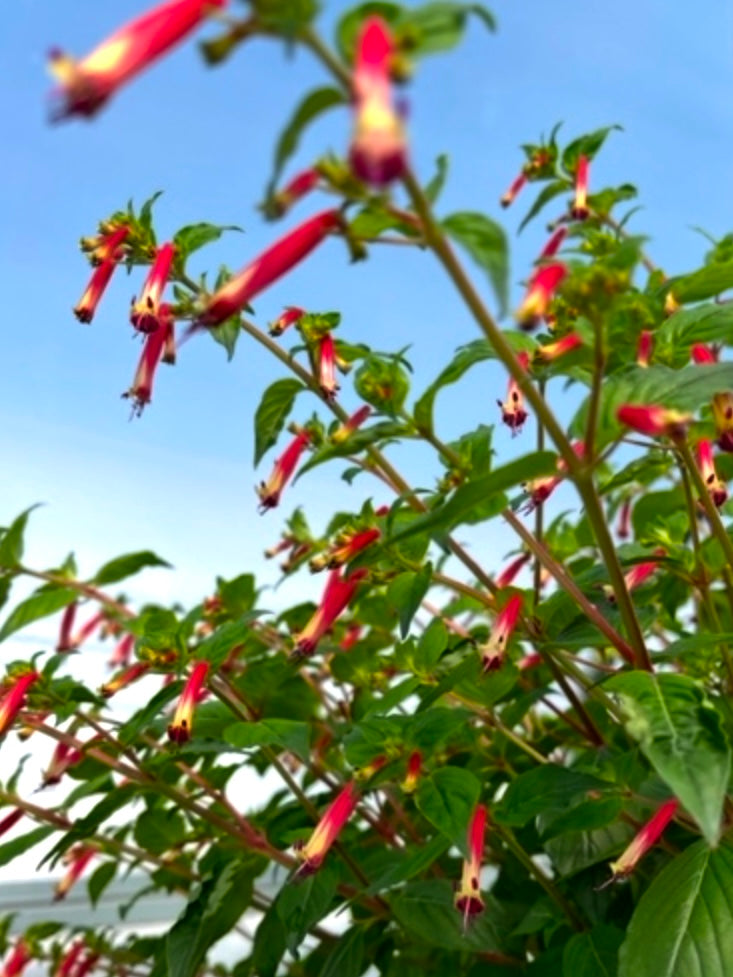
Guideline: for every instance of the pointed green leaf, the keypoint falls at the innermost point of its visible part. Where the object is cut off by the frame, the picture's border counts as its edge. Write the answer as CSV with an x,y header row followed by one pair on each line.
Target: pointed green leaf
x,y
703,284
315,103
709,323
427,911
127,566
42,603
447,799
486,242
681,734
593,954
272,413
286,734
11,541
405,594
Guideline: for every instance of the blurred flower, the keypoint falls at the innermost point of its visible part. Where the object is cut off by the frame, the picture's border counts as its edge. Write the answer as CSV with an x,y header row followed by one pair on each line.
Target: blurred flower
x,y
717,489
540,291
493,652
653,420
301,184
623,529
414,768
348,427
513,412
269,491
346,546
327,367
644,347
335,599
153,352
327,830
553,351
723,416
554,243
147,312
289,317
13,699
700,353
77,858
124,678
10,820
506,577
84,86
511,194
18,959
580,209
644,840
179,731
468,899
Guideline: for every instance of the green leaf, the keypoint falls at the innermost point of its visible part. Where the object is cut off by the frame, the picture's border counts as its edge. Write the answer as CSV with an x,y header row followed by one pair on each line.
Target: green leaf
x,y
572,851
18,846
710,323
687,389
550,791
145,218
427,912
218,645
145,716
159,829
465,357
269,943
301,906
486,242
702,284
593,954
681,735
405,594
546,194
99,880
194,236
11,542
356,443
40,604
459,507
587,145
347,957
405,865
208,916
286,734
315,103
681,926
126,566
227,335
433,189
447,799
272,413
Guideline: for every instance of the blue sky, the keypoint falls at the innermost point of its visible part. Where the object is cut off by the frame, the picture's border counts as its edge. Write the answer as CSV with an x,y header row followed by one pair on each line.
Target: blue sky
x,y
180,480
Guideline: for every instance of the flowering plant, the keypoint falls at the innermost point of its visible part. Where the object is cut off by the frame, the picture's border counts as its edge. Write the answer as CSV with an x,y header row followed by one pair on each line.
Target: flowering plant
x,y
473,750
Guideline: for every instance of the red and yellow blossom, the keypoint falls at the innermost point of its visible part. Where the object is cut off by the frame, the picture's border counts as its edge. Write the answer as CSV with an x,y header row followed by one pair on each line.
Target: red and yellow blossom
x,y
542,286
493,652
644,840
179,730
313,851
292,315
654,420
269,491
723,417
468,899
513,411
717,489
580,209
13,699
156,349
336,597
145,314
77,859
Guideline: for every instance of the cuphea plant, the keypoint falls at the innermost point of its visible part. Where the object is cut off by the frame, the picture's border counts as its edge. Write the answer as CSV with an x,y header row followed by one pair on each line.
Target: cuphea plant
x,y
474,751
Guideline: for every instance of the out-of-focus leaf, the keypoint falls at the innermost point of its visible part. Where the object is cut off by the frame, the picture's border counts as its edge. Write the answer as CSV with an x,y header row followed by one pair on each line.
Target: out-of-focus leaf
x,y
272,413
486,242
127,566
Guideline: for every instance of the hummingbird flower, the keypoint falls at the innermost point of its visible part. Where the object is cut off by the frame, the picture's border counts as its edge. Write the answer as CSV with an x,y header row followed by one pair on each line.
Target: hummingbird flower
x,y
553,351
124,678
145,314
717,489
13,699
68,961
540,291
623,529
272,264
468,899
301,185
179,731
644,840
153,352
336,597
506,577
414,769
345,430
353,633
378,152
644,348
512,193
313,851
289,317
554,243
513,411
64,756
493,652
269,492
85,86
540,489
723,417
702,354
580,209
327,367
65,642
636,576
77,859
345,548
86,307
653,420
122,653
18,959
10,820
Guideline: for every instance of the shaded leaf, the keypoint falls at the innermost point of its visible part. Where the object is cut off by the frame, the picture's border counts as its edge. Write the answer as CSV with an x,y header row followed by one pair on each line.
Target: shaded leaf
x,y
315,103
40,604
286,734
405,594
126,566
486,242
447,799
593,954
272,413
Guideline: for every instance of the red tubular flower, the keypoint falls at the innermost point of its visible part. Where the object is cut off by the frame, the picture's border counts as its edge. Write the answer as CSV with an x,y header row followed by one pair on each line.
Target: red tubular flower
x,y
69,959
146,313
468,899
78,858
108,245
553,351
623,529
653,420
269,491
18,960
644,348
511,194
86,965
644,840
723,416
378,152
506,577
65,642
153,352
636,576
346,547
64,756
327,367
513,411
84,86
120,657
327,830
717,489
493,652
352,424
272,264
101,277
289,317
353,633
124,678
541,289
86,631
540,489
10,820
700,353
414,769
291,193
13,699
179,730
580,208
554,243
335,599
526,662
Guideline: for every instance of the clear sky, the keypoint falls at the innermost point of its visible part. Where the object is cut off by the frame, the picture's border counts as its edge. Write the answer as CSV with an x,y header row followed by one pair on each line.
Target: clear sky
x,y
180,479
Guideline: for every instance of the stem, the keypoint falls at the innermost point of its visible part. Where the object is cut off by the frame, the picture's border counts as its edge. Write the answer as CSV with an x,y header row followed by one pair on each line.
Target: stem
x,y
599,362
